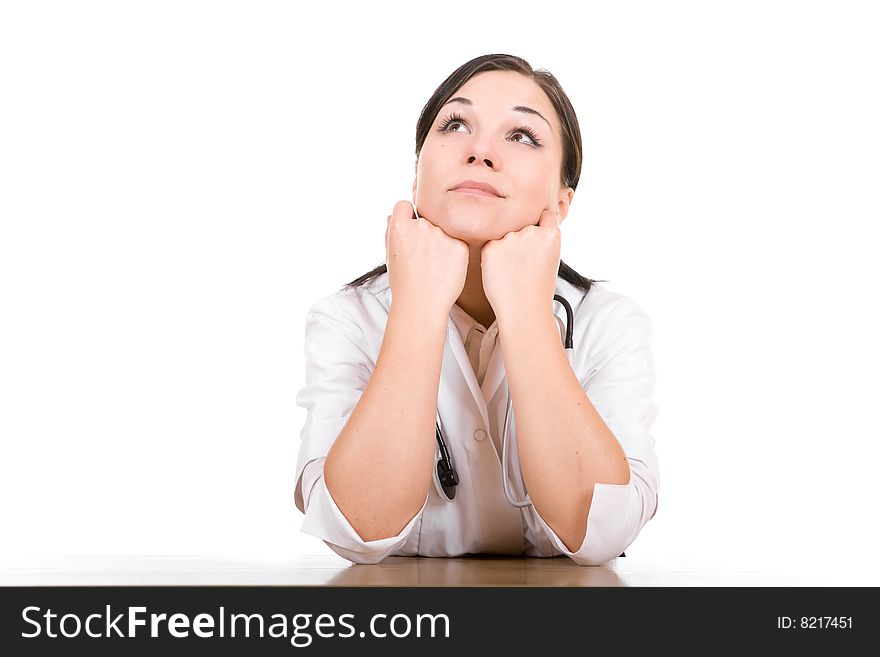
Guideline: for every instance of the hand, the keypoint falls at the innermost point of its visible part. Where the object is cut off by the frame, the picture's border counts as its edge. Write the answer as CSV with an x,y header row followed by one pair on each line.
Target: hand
x,y
520,270
426,267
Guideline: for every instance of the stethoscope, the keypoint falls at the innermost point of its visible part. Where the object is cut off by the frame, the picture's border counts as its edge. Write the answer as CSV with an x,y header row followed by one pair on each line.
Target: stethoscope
x,y
446,472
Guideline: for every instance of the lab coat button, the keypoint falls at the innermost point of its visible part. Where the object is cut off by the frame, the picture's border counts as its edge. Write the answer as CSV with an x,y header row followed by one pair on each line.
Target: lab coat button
x,y
480,435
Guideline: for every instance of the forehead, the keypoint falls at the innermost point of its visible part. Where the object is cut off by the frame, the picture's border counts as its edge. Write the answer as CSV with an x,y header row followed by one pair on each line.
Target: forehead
x,y
502,90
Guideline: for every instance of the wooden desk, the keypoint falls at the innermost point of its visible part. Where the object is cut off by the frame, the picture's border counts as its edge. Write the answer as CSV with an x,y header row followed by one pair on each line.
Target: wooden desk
x,y
477,570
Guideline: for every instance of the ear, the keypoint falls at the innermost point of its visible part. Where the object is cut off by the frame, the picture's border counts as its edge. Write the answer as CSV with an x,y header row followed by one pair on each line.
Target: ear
x,y
563,202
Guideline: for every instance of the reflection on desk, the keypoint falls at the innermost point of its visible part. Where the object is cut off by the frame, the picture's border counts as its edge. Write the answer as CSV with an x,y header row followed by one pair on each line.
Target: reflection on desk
x,y
476,570
325,570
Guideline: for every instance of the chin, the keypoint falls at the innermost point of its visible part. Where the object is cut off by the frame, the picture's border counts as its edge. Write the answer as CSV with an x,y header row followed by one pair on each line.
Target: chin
x,y
468,219
474,237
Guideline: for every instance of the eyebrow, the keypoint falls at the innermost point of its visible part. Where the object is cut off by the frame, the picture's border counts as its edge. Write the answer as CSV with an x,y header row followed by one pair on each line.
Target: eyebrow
x,y
515,108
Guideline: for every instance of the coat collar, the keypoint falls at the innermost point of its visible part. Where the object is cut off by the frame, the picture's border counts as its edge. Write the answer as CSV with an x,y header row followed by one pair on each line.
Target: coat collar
x,y
495,369
495,373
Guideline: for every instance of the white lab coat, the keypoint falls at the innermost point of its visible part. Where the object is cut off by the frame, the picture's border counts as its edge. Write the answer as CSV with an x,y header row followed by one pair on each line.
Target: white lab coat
x,y
612,360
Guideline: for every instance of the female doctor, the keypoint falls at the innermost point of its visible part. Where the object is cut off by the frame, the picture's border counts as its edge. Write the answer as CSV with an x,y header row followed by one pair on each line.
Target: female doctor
x,y
475,394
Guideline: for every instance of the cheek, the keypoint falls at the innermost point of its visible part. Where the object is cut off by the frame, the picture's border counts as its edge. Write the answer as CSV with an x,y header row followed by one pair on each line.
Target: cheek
x,y
537,191
520,215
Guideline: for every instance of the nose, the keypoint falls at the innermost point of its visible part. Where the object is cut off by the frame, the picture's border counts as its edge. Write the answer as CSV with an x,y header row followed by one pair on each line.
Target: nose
x,y
482,151
472,159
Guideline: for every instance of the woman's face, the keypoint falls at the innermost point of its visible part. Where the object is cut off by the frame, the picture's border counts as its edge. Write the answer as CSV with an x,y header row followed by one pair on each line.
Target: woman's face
x,y
515,151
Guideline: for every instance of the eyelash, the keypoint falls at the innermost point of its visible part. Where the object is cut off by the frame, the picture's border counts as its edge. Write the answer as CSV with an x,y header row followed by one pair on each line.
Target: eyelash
x,y
456,118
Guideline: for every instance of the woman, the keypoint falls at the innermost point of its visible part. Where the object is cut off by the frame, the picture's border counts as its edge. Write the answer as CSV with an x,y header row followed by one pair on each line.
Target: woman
x,y
445,416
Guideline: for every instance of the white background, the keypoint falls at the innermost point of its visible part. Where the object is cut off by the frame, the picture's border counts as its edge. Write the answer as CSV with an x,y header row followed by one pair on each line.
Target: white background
x,y
179,181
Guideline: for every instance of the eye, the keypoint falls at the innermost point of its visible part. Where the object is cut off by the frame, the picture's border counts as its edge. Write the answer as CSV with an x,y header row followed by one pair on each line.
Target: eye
x,y
451,119
528,132
455,119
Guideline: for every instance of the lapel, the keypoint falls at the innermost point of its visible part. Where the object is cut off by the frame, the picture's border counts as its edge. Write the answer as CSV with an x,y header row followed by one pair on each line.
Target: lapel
x,y
467,371
495,373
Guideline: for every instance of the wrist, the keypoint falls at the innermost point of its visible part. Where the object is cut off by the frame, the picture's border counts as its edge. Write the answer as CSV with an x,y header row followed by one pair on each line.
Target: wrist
x,y
525,321
415,314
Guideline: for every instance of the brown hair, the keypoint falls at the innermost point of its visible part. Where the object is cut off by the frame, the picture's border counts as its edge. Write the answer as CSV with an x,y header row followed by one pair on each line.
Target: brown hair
x,y
572,149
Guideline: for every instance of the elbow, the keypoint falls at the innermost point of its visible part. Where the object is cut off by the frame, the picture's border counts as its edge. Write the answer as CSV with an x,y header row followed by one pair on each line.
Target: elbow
x,y
366,558
599,556
589,561
324,520
617,516
595,552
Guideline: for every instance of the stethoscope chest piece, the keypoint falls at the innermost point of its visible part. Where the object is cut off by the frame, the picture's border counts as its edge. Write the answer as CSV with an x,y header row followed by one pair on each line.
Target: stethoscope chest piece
x,y
446,472
448,478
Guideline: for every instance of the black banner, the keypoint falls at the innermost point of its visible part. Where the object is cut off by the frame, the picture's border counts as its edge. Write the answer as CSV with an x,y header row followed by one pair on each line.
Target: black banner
x,y
426,621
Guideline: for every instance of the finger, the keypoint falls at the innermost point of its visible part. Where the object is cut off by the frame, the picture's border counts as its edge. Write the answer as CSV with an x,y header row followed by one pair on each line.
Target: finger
x,y
548,218
404,210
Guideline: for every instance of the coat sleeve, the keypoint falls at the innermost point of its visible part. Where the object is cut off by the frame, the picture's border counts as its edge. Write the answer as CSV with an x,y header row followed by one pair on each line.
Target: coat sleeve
x,y
620,384
338,367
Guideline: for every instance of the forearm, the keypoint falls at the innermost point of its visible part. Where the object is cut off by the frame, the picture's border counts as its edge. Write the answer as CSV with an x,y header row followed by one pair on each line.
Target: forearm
x,y
565,447
379,468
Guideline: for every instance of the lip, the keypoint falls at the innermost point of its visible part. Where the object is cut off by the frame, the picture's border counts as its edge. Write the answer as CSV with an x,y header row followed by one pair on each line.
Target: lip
x,y
476,187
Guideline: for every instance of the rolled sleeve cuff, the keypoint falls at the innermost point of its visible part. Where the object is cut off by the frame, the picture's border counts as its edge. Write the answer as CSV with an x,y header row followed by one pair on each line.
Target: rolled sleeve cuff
x,y
324,520
617,514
